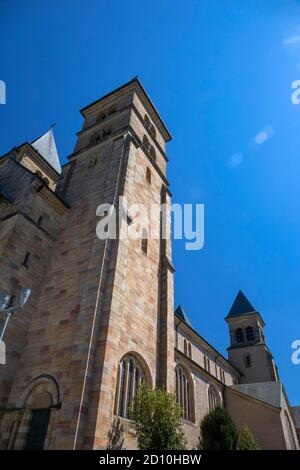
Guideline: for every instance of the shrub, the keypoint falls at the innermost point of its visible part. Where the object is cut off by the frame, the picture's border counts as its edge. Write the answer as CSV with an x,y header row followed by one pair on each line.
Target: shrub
x,y
218,431
157,420
246,440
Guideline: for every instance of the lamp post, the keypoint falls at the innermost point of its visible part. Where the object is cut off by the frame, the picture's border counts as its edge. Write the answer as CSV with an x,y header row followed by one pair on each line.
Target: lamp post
x,y
4,302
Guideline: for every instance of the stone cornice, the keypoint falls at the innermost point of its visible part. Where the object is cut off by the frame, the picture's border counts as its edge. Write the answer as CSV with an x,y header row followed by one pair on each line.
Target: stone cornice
x,y
53,200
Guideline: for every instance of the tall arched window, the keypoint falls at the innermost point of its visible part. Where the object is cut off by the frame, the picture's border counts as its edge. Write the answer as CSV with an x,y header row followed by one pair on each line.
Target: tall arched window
x,y
213,400
130,377
239,335
250,333
184,393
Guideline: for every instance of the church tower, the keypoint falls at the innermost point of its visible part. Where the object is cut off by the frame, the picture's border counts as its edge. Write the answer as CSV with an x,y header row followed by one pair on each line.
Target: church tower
x,y
104,317
248,351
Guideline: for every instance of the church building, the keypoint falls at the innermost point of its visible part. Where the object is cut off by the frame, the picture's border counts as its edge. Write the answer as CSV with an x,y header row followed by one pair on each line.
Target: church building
x,y
101,317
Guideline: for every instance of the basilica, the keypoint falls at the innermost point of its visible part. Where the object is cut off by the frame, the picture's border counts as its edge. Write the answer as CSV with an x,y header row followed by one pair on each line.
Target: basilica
x,y
101,315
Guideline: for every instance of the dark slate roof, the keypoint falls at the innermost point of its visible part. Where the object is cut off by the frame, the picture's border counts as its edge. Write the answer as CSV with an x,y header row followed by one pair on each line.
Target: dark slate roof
x,y
240,306
182,315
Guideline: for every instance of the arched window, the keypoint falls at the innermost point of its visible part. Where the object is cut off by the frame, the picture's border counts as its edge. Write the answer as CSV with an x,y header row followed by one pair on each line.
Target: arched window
x,y
130,377
213,400
184,393
239,335
249,333
148,175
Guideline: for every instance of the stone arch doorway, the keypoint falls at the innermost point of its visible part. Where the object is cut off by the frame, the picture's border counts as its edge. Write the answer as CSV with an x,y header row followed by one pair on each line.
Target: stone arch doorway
x,y
39,400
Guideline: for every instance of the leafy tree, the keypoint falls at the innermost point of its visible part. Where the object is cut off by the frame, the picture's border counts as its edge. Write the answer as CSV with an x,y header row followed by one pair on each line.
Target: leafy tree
x,y
246,440
157,420
218,431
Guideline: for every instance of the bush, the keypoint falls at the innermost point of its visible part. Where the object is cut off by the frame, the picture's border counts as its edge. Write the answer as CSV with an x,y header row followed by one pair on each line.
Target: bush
x,y
218,431
157,420
246,440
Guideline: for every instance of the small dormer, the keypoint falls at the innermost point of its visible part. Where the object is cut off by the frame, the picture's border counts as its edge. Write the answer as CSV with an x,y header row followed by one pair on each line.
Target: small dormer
x,y
41,158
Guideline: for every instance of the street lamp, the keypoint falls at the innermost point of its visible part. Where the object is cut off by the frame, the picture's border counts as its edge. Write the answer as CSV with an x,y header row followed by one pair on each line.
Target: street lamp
x,y
4,302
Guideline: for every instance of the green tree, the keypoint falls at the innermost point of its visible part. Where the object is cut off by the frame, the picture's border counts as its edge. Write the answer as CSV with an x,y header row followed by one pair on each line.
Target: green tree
x,y
246,440
218,431
156,420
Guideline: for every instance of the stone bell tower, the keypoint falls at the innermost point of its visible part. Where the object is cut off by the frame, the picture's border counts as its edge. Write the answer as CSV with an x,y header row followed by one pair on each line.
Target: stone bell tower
x,y
104,315
248,351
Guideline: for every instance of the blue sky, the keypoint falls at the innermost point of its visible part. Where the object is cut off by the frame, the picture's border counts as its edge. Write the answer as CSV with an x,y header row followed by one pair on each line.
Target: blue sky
x,y
220,74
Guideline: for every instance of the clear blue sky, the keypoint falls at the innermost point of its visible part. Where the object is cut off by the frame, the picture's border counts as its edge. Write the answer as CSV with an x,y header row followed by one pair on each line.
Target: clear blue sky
x,y
220,72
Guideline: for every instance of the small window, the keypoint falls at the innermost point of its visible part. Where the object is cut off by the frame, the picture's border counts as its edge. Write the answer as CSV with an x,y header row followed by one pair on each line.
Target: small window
x,y
248,361
106,132
146,143
239,335
26,260
147,120
95,138
112,110
249,333
185,346
93,162
144,242
152,152
206,364
148,175
190,350
39,174
46,181
150,125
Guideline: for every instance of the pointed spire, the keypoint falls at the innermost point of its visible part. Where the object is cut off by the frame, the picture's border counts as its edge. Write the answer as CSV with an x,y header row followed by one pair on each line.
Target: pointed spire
x,y
240,306
46,147
182,315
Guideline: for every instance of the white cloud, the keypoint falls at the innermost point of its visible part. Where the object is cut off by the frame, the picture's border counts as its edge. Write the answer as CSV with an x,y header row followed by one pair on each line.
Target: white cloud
x,y
235,160
291,40
265,134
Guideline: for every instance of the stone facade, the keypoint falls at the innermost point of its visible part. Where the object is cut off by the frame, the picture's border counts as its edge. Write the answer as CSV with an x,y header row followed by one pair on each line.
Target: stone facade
x,y
101,313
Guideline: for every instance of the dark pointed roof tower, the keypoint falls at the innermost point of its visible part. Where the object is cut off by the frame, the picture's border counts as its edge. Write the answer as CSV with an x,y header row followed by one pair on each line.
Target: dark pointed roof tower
x,y
240,306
